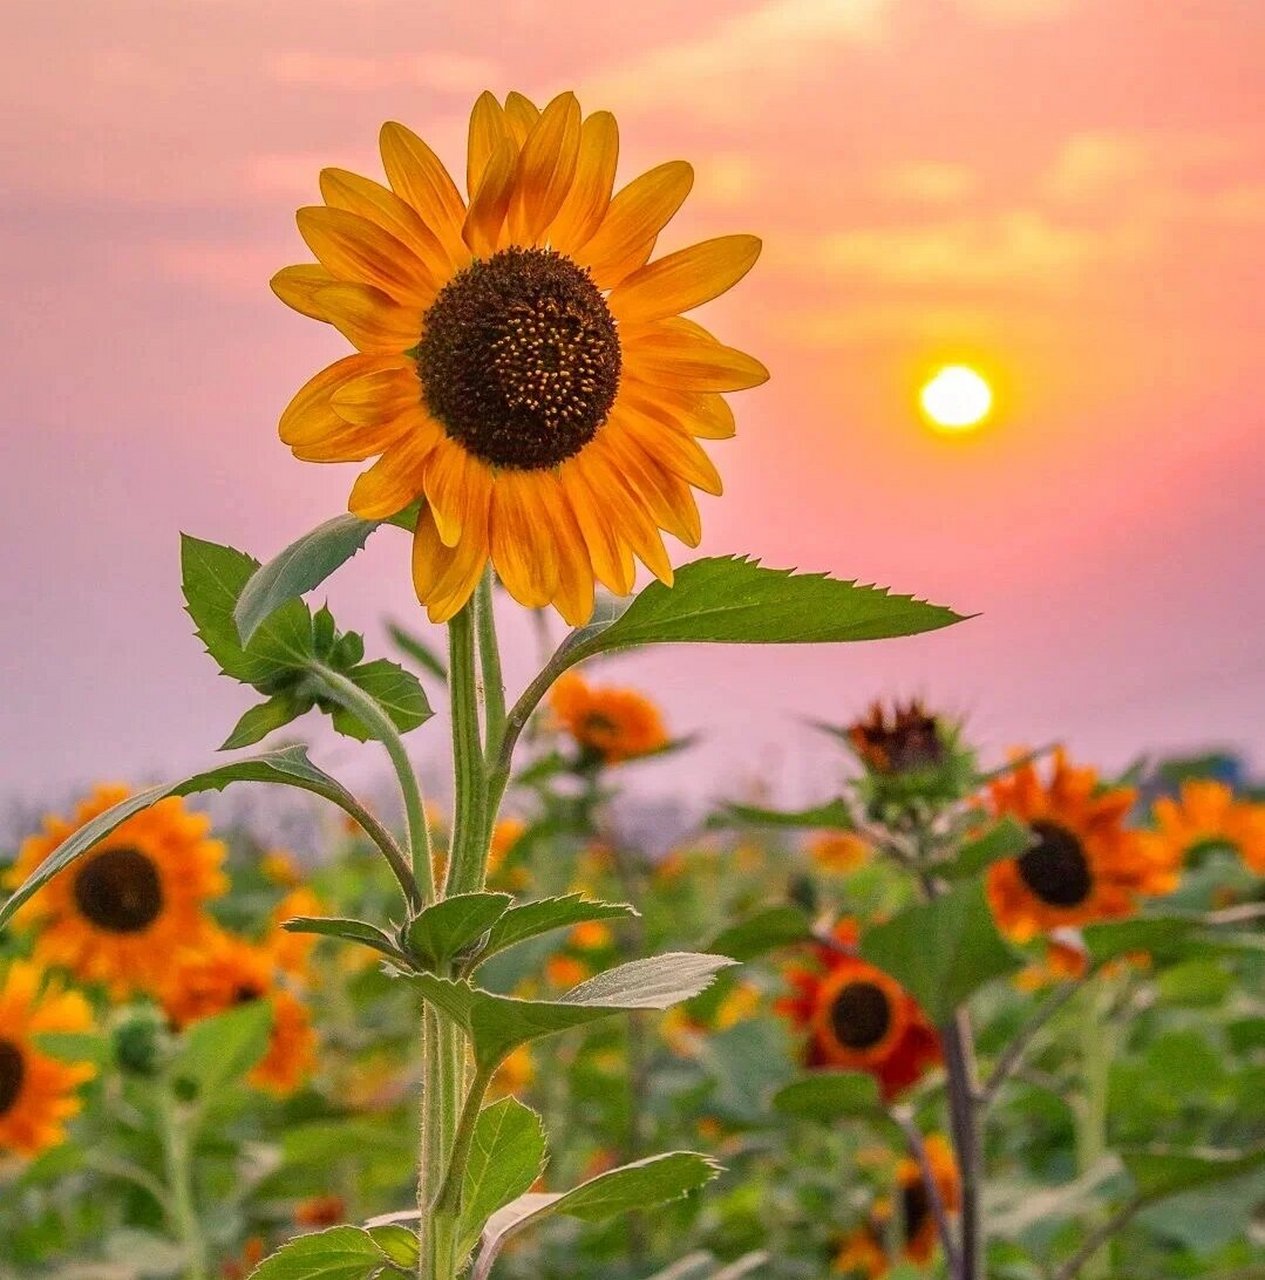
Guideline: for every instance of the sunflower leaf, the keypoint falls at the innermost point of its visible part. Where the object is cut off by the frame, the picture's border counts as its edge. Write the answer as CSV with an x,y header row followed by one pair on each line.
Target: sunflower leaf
x,y
289,767
264,718
831,816
367,935
506,1157
449,926
340,1253
417,649
830,1095
531,919
300,568
733,600
218,1050
1165,1171
1006,839
767,930
398,692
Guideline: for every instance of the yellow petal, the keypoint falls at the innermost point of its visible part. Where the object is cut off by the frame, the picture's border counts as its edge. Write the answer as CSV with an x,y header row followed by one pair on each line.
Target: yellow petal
x,y
683,280
487,131
520,114
297,286
368,319
378,396
310,409
519,532
356,251
342,189
636,216
445,577
417,175
675,452
353,442
590,196
397,478
458,490
702,413
609,556
546,166
680,355
482,230
666,496
574,596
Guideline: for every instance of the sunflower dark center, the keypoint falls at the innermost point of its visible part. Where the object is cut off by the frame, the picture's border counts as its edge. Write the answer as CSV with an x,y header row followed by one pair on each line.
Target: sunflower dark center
x,y
1055,868
860,1015
12,1074
915,1204
119,891
247,993
520,359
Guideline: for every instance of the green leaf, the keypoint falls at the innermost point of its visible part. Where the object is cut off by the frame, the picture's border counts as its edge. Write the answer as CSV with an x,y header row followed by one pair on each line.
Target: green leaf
x,y
261,720
832,816
531,919
1164,937
341,1253
75,1046
398,1243
450,926
418,650
827,1095
727,600
398,692
288,766
219,1050
213,578
767,930
349,930
1006,839
497,1024
1160,1171
506,1157
302,566
942,951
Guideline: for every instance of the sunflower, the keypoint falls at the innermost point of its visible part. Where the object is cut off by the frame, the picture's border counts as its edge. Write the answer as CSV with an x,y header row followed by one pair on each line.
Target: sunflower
x,y
907,740
609,725
37,1092
1207,813
864,1252
522,366
838,852
1085,864
225,972
117,914
859,1018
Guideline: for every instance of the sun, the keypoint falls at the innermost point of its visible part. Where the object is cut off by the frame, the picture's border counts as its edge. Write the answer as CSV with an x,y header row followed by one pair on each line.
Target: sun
x,y
956,398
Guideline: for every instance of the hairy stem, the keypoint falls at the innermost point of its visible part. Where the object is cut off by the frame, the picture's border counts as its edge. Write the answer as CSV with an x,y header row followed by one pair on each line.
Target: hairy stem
x,y
959,1065
468,858
490,664
177,1134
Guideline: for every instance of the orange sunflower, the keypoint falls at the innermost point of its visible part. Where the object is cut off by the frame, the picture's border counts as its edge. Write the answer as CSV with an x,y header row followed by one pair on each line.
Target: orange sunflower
x,y
1207,813
117,914
864,1252
37,1092
859,1018
523,367
225,972
608,724
1085,863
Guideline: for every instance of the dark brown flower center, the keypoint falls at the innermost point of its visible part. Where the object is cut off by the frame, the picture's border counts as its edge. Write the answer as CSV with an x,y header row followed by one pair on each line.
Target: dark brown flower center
x,y
520,359
1055,868
12,1074
860,1015
915,1205
910,740
119,891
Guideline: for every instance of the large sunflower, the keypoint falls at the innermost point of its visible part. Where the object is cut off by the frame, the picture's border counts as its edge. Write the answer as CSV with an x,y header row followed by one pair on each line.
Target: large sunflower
x,y
37,1092
1085,864
859,1018
522,366
117,914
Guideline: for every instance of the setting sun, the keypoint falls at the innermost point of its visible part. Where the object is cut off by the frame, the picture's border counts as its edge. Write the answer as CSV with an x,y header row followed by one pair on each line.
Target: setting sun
x,y
956,399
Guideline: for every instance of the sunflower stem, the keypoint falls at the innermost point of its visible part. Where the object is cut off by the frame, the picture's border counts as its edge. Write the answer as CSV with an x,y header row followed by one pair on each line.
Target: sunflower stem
x,y
176,1129
490,663
959,1065
467,861
1098,1046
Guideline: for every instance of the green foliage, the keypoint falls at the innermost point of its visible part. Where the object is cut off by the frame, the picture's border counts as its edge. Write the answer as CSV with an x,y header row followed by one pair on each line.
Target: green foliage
x,y
532,919
942,951
1005,839
1158,1173
828,1096
446,928
506,1157
341,1253
834,815
367,935
216,1051
767,930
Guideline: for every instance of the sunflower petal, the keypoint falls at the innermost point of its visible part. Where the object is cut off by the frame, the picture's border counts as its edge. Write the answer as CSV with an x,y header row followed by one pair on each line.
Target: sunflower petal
x,y
681,355
378,396
309,413
610,557
297,286
368,319
360,252
488,130
396,479
705,414
344,441
445,577
416,174
590,196
458,491
342,189
521,113
684,280
519,530
482,230
546,167
675,452
665,494
636,216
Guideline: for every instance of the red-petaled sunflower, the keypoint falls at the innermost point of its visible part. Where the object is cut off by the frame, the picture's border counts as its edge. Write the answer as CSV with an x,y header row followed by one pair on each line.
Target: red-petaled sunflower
x,y
1206,812
523,367
860,1018
864,1252
1085,863
118,914
609,724
37,1092
224,972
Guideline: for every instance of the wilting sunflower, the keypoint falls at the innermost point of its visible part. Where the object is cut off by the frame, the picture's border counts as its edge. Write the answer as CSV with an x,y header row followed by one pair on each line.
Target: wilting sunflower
x,y
864,1252
859,1018
1207,813
1085,864
608,724
225,972
523,367
117,914
37,1092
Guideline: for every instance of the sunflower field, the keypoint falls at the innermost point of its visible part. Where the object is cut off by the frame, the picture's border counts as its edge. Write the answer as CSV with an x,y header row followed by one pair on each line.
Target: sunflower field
x,y
977,1019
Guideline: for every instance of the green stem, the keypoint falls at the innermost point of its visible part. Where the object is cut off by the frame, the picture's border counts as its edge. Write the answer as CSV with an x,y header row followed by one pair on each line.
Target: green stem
x,y
490,661
446,1218
467,861
176,1134
1098,1046
422,877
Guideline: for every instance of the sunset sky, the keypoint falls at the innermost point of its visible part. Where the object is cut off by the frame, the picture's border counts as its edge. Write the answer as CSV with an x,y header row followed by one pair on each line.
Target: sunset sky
x,y
1068,195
